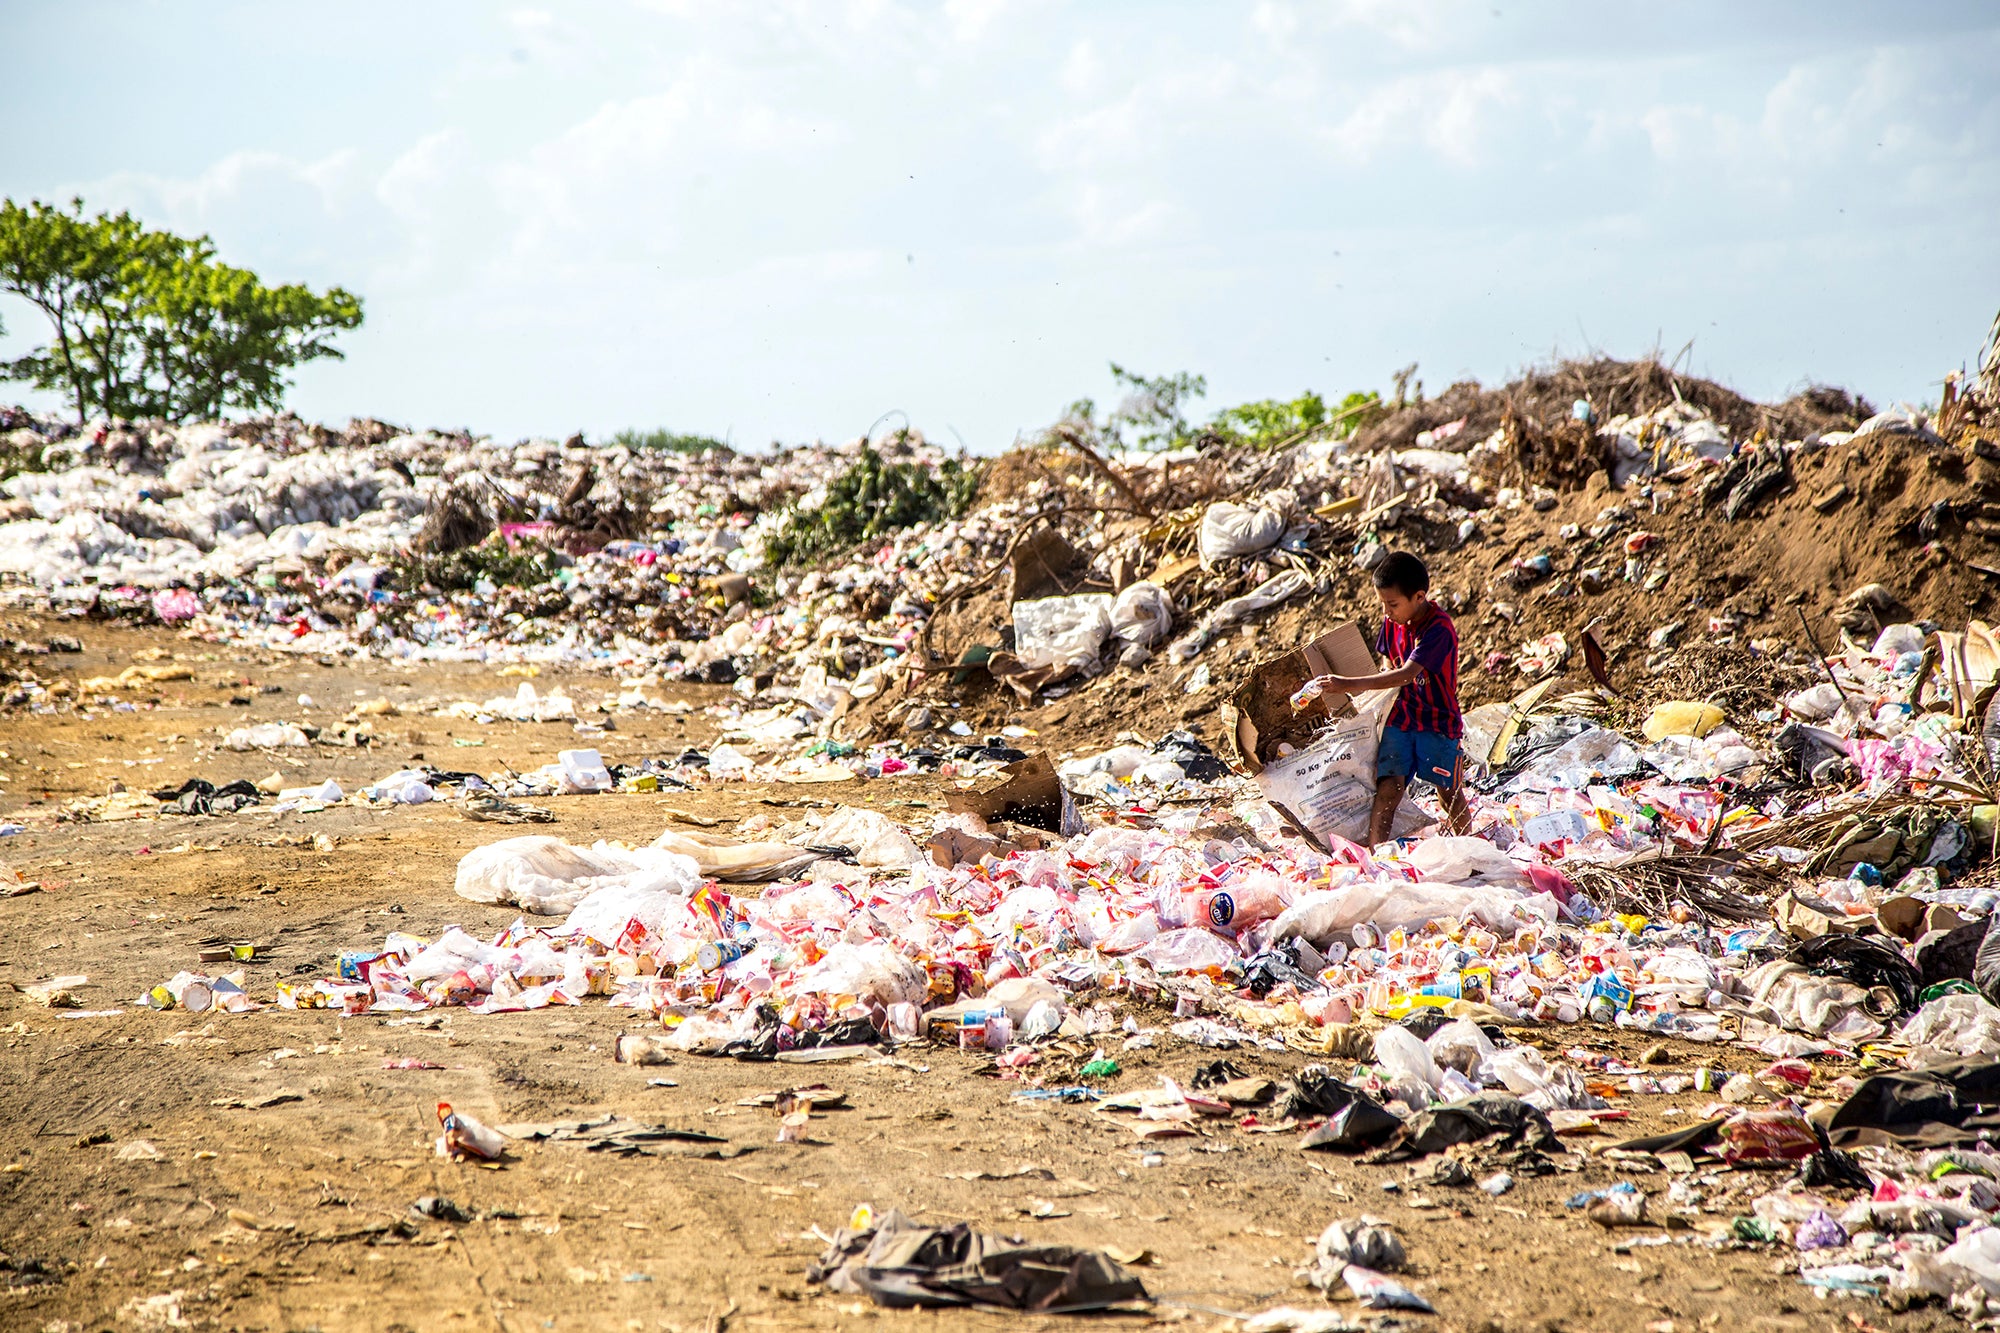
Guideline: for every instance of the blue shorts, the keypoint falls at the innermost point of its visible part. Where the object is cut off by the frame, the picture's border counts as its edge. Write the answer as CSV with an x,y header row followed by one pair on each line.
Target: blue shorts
x,y
1419,756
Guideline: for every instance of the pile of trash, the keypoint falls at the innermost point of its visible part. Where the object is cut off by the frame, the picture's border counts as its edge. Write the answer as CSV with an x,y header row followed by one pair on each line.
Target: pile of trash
x,y
1691,819
1064,570
1819,897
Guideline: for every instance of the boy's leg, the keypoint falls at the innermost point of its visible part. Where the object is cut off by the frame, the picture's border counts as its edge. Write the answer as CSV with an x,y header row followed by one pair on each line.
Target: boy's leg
x,y
1441,763
1382,816
1395,761
1457,816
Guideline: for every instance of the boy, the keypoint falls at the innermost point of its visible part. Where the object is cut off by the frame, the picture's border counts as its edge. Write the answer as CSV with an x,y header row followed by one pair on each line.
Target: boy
x,y
1420,739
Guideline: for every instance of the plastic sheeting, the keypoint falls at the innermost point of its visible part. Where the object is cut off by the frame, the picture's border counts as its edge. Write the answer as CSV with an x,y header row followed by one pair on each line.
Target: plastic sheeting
x,y
548,876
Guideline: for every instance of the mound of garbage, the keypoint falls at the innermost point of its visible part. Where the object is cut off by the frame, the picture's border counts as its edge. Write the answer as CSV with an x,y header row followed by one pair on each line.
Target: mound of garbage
x,y
1734,768
1647,512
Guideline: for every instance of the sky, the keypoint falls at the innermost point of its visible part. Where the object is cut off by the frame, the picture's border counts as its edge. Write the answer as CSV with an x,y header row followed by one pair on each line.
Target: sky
x,y
782,220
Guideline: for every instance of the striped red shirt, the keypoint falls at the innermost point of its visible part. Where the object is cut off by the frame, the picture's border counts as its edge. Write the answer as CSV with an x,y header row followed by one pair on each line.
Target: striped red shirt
x,y
1430,702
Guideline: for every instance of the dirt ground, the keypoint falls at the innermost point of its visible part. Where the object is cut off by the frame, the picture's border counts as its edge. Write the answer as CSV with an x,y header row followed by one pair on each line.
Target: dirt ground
x,y
244,1210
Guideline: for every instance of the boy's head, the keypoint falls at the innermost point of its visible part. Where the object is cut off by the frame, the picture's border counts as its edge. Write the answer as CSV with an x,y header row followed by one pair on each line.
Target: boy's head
x,y
1403,584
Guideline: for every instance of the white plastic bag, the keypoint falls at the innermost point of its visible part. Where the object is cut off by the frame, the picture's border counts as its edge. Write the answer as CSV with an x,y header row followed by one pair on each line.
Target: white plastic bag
x,y
1461,1045
1521,1070
1270,592
1132,933
870,970
1140,618
1895,640
451,952
1323,914
1952,1027
1062,633
1229,529
402,788
1190,949
875,839
735,862
265,736
1402,1053
1120,761
1815,702
654,893
1975,1258
1466,861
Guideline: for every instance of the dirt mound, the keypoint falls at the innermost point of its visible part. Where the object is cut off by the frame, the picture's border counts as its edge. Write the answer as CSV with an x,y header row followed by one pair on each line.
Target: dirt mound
x,y
1921,521
1544,398
1708,608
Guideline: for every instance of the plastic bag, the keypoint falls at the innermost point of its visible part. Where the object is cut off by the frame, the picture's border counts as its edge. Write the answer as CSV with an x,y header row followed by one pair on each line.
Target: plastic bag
x,y
1461,1045
404,788
1401,1054
1953,1027
1321,915
653,892
1229,529
1815,701
872,970
1131,933
736,862
1768,1136
1120,761
1520,1069
1681,718
1140,618
1367,1241
266,736
875,839
1378,1292
1268,593
1062,633
1895,640
1466,861
453,951
1021,996
1975,1259
1190,949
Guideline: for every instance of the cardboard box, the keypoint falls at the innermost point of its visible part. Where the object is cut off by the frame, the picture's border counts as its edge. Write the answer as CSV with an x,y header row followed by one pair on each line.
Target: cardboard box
x,y
1264,715
1030,794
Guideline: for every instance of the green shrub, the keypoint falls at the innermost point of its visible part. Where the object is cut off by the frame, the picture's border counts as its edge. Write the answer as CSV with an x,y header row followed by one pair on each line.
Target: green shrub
x,y
521,566
869,499
668,441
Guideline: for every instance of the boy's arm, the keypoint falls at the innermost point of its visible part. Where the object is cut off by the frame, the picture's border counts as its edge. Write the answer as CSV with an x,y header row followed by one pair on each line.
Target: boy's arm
x,y
1396,676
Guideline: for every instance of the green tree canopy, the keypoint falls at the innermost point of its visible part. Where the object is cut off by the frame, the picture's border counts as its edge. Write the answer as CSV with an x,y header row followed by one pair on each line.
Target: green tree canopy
x,y
149,324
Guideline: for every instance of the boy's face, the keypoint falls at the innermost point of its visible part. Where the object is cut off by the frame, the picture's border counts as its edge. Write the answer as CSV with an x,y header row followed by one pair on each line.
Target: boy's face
x,y
1401,607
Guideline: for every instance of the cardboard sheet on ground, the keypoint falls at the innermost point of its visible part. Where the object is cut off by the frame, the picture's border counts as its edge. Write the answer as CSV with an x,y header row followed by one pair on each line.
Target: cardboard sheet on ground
x,y
1031,793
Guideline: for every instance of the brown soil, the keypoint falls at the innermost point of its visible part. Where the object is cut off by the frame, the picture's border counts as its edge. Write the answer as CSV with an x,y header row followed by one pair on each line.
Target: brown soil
x,y
271,1218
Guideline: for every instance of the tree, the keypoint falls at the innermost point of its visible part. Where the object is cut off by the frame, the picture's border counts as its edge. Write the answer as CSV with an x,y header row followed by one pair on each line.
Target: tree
x,y
1153,407
149,324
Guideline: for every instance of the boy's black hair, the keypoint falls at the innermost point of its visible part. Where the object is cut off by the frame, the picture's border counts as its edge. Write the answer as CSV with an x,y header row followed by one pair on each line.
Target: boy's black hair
x,y
1403,572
